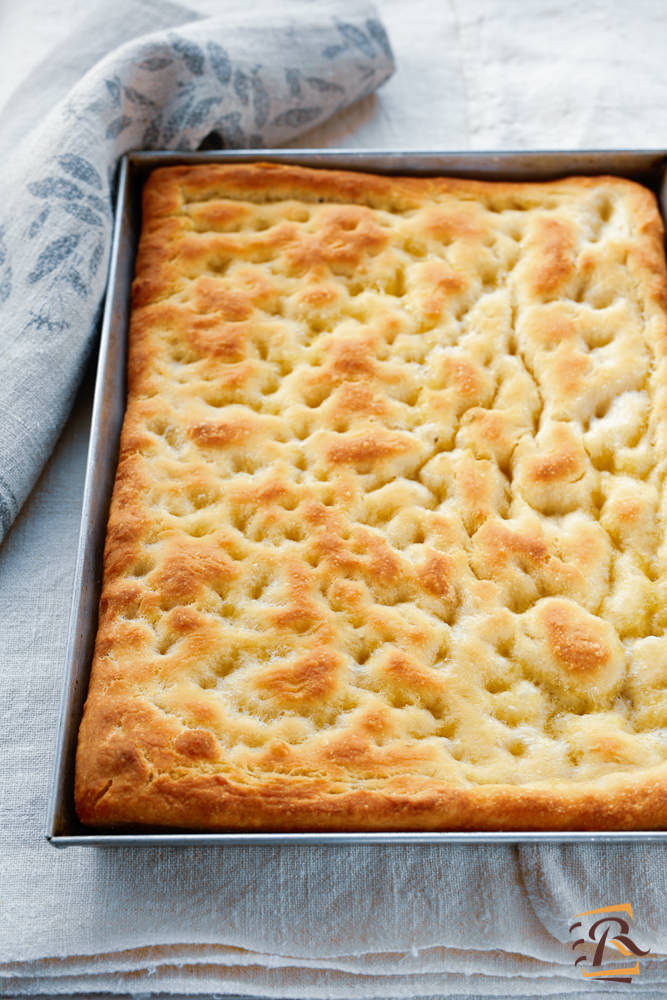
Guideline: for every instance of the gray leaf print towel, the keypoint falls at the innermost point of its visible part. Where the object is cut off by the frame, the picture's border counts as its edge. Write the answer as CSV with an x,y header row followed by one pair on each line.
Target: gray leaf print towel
x,y
257,81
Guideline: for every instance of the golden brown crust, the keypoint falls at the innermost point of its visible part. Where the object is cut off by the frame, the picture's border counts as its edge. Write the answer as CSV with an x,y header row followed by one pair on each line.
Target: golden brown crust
x,y
386,546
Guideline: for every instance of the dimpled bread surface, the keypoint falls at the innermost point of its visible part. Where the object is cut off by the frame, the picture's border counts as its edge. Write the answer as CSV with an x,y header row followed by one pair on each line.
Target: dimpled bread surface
x,y
386,548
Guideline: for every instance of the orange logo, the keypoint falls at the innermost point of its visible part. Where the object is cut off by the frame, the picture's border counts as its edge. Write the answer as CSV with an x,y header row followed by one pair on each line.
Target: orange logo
x,y
606,932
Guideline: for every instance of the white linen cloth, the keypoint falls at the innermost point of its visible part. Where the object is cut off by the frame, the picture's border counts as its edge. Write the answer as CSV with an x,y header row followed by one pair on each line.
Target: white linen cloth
x,y
438,922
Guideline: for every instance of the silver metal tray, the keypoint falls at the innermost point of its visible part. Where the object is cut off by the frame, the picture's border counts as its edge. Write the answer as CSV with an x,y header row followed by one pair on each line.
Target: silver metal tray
x,y
63,828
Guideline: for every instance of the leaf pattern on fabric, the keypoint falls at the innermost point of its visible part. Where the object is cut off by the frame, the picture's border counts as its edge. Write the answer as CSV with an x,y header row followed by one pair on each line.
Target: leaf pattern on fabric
x,y
317,83
74,279
98,203
293,78
95,259
149,139
135,97
174,124
40,321
52,255
80,168
55,187
220,62
355,36
230,127
296,117
242,86
191,54
114,89
201,111
117,126
83,213
332,51
154,63
260,99
376,30
37,223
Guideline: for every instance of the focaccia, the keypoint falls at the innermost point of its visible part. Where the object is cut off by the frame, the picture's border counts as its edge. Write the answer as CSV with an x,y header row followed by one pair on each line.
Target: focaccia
x,y
386,547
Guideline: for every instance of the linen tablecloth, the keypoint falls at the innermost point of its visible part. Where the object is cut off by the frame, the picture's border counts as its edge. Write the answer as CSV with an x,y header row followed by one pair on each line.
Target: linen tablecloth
x,y
320,922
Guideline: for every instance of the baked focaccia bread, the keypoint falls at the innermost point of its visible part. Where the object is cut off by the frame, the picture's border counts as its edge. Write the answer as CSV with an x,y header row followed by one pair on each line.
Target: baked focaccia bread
x,y
386,548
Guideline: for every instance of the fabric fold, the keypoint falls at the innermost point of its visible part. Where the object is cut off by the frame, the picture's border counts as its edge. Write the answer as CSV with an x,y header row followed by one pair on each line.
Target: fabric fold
x,y
285,982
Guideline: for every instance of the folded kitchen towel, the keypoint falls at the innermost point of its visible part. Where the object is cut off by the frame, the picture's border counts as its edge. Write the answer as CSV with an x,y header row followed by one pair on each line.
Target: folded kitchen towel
x,y
251,78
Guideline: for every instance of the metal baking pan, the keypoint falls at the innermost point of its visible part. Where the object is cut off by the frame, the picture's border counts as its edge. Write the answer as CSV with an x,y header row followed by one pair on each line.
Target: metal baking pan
x,y
63,828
